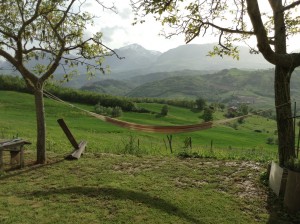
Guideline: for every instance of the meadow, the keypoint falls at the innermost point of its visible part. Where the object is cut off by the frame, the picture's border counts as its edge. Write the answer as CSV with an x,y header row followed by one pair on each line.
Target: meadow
x,y
118,181
233,140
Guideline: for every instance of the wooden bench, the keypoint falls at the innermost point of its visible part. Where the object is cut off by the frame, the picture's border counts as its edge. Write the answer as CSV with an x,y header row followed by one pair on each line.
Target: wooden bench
x,y
16,149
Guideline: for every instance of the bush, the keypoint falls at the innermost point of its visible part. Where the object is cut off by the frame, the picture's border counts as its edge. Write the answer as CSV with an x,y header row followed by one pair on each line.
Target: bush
x,y
116,112
207,114
200,103
108,111
270,141
164,110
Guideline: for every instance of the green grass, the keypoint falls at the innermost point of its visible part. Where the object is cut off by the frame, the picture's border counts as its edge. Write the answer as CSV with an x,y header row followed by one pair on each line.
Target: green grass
x,y
106,188
18,118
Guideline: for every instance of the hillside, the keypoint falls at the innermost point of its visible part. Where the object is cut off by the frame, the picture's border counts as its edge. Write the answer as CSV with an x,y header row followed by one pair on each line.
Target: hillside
x,y
118,88
229,86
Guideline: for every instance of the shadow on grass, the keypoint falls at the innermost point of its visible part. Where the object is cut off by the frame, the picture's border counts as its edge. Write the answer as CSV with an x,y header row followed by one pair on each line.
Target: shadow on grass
x,y
123,194
12,172
279,214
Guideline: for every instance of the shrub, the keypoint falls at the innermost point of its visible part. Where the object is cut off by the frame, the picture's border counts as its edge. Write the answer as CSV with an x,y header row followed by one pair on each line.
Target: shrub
x,y
116,112
164,110
207,114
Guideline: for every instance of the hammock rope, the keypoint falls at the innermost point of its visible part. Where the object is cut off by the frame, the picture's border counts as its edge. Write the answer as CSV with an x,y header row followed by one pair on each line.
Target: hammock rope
x,y
149,128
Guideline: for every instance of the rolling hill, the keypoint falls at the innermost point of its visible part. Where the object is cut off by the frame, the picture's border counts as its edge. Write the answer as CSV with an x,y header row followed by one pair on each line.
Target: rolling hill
x,y
228,86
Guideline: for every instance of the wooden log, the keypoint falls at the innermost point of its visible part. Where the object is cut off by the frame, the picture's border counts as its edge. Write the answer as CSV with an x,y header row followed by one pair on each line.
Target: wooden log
x,y
76,154
68,133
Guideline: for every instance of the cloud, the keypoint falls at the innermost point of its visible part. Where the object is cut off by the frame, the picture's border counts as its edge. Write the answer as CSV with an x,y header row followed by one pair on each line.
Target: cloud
x,y
109,32
126,13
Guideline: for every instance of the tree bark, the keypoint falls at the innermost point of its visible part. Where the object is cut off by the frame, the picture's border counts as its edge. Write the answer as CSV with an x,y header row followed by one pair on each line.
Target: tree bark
x,y
286,143
41,125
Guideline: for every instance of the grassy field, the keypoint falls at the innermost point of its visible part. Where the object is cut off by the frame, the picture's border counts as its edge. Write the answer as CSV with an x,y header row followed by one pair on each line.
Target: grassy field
x,y
109,188
152,186
18,118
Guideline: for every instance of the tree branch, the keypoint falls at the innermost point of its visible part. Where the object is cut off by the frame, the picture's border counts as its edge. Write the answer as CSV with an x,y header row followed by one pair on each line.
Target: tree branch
x,y
229,30
294,4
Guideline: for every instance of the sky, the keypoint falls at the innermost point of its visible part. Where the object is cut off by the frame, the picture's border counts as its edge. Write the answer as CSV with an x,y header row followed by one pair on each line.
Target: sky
x,y
118,30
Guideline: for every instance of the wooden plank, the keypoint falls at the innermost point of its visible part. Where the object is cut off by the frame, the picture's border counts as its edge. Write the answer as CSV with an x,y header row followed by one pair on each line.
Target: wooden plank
x,y
68,133
13,144
76,154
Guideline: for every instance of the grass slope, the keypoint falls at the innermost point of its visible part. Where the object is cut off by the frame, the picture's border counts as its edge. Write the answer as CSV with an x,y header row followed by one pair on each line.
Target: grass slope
x,y
17,118
106,188
110,188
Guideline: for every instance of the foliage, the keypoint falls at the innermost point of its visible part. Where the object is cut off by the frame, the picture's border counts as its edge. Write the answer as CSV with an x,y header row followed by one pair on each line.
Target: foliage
x,y
68,94
108,111
270,141
132,146
243,109
164,110
116,112
207,114
200,103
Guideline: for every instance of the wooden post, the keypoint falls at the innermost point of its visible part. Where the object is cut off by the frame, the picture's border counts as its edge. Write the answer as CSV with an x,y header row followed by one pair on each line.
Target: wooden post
x,y
170,142
68,133
78,148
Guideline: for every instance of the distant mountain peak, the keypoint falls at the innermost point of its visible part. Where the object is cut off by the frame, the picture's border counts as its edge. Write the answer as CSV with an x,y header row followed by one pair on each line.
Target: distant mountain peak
x,y
132,47
138,48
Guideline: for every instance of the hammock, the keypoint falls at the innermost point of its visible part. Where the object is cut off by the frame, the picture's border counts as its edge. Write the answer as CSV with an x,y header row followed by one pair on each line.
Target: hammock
x,y
150,128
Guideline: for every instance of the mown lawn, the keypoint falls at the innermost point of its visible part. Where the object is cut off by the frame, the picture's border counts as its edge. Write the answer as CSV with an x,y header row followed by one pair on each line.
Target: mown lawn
x,y
109,188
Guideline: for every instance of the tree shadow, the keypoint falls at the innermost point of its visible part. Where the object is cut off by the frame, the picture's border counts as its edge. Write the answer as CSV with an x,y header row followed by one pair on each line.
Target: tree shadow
x,y
279,214
32,166
123,194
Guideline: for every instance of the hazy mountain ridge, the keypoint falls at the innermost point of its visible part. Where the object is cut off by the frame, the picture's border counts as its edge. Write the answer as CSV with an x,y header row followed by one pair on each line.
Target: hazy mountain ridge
x,y
229,85
136,61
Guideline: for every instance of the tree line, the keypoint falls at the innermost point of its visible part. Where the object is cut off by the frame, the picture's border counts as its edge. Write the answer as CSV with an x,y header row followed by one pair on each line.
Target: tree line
x,y
14,83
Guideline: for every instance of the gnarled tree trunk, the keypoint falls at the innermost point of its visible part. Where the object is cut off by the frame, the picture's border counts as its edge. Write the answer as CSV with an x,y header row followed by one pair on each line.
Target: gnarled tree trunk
x,y
41,125
286,144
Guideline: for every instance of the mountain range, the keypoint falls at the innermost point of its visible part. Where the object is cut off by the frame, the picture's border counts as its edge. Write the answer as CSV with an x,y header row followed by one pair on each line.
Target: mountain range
x,y
183,72
137,61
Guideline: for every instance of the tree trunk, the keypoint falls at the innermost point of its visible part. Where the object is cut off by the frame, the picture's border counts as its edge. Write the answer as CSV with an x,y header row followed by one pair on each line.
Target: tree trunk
x,y
286,144
41,126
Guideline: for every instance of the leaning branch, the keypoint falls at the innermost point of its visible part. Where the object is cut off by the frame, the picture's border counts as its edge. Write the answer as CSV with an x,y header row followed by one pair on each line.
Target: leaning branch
x,y
293,5
227,30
